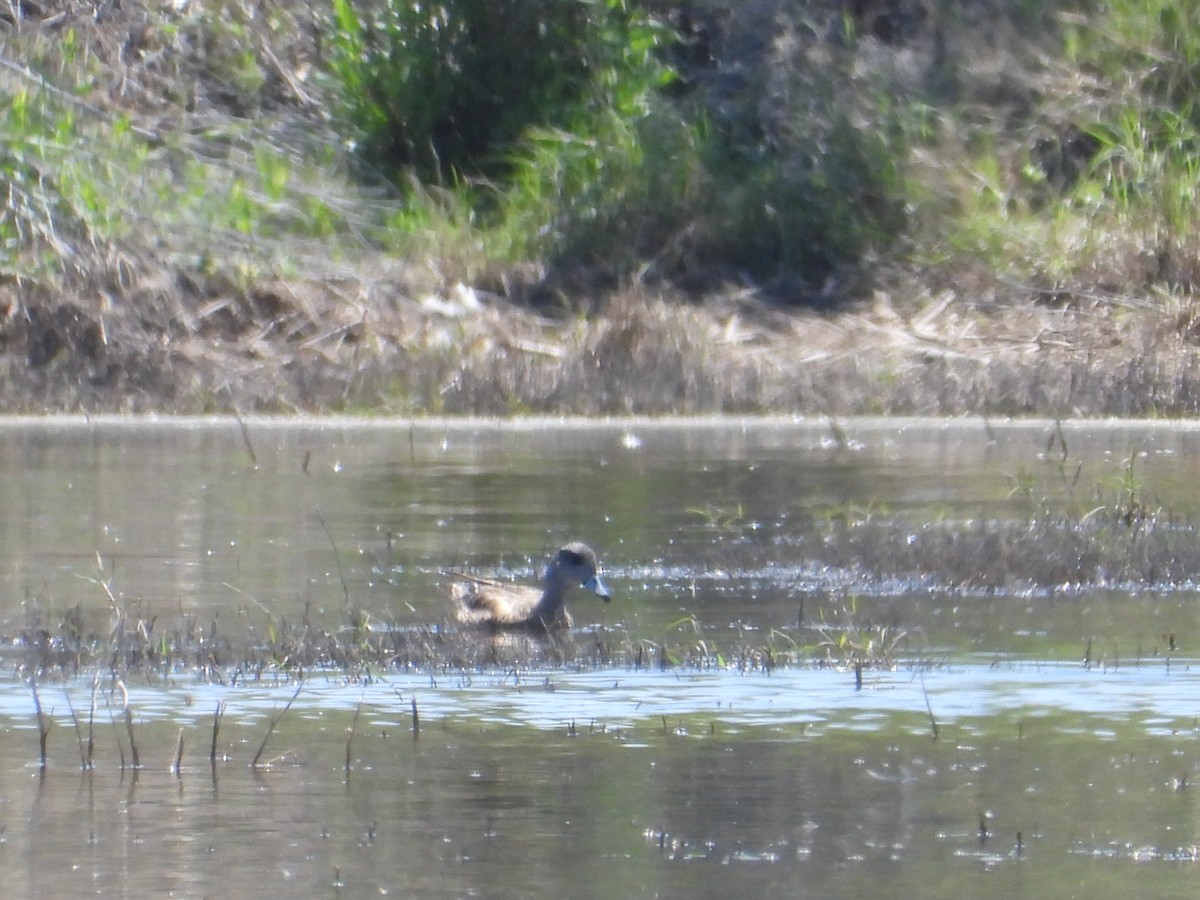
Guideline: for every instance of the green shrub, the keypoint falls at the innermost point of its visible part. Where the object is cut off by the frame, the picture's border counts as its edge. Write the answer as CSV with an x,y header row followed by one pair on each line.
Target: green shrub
x,y
604,184
819,202
673,188
552,113
446,89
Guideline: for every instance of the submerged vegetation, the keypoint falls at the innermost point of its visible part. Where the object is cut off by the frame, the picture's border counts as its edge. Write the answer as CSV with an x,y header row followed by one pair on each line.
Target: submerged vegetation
x,y
928,206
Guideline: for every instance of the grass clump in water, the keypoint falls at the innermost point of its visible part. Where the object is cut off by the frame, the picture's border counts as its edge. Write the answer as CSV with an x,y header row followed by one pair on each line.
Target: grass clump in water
x,y
1062,534
67,644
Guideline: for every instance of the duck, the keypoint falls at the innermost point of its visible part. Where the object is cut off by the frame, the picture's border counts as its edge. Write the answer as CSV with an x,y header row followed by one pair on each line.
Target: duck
x,y
498,606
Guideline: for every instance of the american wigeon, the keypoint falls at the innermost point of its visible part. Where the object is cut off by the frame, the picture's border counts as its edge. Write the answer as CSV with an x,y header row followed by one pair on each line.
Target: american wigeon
x,y
498,605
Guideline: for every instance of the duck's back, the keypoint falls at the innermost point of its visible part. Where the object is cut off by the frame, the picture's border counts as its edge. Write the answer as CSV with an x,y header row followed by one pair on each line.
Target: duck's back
x,y
496,605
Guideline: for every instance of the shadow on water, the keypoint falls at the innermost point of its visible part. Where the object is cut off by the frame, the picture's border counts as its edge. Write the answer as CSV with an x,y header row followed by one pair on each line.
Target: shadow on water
x,y
919,659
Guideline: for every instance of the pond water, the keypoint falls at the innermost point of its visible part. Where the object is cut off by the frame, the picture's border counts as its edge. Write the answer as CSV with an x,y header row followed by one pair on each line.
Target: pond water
x,y
1004,735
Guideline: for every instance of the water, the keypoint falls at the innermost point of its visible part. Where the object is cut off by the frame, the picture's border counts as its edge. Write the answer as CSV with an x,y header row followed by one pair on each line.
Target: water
x,y
1036,738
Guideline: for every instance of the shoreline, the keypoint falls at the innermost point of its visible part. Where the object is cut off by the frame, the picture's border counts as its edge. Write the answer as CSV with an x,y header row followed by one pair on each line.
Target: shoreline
x,y
526,423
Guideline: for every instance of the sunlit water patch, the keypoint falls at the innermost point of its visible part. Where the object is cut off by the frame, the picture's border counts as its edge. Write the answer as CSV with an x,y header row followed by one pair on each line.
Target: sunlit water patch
x,y
793,699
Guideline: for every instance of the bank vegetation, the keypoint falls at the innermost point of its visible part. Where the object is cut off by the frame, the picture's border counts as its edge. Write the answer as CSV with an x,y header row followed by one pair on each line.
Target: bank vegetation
x,y
600,206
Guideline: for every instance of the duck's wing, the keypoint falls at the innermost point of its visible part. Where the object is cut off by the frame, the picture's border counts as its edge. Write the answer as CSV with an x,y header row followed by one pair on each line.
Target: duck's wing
x,y
479,601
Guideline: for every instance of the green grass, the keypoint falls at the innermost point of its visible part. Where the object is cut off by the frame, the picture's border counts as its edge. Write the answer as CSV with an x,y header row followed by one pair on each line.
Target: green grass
x,y
83,190
1095,188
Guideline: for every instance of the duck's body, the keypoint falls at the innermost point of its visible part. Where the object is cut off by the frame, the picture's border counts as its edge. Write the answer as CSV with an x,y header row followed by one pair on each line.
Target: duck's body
x,y
499,606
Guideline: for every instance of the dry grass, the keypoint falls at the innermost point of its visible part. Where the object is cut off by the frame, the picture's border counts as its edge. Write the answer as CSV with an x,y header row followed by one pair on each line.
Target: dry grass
x,y
391,344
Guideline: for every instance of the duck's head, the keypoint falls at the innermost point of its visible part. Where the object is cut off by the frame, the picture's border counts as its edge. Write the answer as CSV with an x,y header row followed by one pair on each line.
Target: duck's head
x,y
577,562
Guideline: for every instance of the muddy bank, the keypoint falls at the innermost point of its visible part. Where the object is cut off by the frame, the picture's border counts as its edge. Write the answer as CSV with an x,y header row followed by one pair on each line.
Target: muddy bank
x,y
389,345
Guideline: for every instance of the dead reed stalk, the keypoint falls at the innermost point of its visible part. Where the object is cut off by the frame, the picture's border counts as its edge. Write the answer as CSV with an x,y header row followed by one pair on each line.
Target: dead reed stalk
x,y
929,708
91,737
133,750
350,735
246,439
43,726
116,731
271,726
218,714
337,560
83,756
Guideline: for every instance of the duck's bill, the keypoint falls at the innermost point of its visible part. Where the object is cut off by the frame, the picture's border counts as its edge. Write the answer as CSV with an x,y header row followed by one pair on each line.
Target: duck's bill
x,y
596,585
